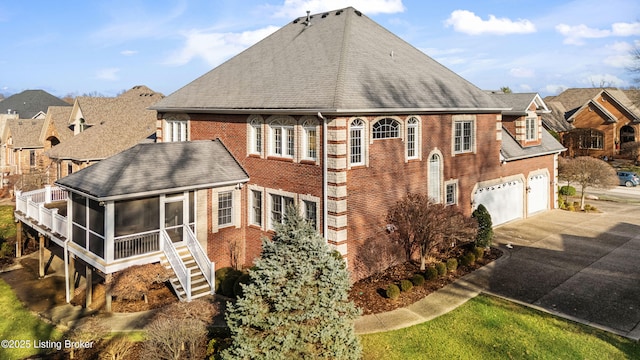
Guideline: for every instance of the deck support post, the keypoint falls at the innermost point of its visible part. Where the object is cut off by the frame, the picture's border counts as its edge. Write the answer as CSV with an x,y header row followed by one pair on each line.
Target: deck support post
x,y
72,276
89,288
19,239
41,255
108,297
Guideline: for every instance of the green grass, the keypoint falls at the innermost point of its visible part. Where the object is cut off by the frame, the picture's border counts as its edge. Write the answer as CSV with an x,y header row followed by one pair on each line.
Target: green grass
x,y
17,323
490,328
7,224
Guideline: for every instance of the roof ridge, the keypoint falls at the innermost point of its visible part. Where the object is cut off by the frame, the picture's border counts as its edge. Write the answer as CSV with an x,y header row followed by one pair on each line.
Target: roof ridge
x,y
338,94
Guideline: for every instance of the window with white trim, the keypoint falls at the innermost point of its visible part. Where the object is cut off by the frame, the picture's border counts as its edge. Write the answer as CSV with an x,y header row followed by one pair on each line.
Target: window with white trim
x,y
463,136
531,128
255,147
435,177
451,193
310,141
356,142
282,139
311,213
256,207
279,206
175,130
412,138
386,128
225,208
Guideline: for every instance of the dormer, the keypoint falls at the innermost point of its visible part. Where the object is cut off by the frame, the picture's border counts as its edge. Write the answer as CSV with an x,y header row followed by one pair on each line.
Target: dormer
x,y
524,120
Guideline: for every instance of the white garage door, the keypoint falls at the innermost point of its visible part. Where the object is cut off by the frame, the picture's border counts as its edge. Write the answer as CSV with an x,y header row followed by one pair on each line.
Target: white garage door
x,y
538,198
504,201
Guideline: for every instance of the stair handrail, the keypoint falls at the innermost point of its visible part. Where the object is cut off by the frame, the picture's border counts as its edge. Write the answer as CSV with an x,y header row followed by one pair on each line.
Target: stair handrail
x,y
177,265
200,256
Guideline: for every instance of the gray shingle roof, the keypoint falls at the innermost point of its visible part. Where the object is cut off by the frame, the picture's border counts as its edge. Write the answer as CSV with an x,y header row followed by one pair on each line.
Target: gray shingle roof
x,y
342,63
155,168
29,103
511,149
58,119
25,133
518,102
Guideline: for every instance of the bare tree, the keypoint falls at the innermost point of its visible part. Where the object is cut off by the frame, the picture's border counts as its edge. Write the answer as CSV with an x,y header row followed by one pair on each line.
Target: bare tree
x,y
135,282
587,172
425,227
634,68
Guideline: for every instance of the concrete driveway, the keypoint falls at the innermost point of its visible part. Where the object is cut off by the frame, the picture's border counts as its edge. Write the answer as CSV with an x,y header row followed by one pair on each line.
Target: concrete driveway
x,y
582,266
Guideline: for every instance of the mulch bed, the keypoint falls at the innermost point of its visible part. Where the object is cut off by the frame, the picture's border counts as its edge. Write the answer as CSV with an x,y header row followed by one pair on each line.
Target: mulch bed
x,y
369,294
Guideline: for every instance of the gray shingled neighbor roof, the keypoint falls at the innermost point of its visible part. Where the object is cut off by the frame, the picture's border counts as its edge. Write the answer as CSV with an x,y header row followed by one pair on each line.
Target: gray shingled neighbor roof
x,y
117,124
518,102
341,63
155,168
511,149
25,133
29,103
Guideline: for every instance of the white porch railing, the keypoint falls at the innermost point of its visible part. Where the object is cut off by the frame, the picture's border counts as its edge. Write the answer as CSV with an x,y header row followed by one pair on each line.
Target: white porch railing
x,y
136,244
181,271
207,266
32,204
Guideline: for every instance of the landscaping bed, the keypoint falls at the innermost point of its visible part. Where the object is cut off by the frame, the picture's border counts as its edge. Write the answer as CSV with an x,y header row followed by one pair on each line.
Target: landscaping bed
x,y
370,294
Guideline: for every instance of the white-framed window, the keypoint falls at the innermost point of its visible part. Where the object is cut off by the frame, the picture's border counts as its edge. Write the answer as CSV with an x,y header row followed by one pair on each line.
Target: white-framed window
x,y
279,206
435,178
412,138
386,128
255,142
451,192
256,208
463,136
176,130
310,140
225,208
531,124
311,212
356,142
282,141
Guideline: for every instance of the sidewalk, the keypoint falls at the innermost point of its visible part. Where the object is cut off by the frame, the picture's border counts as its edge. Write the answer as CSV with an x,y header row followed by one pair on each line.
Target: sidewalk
x,y
435,304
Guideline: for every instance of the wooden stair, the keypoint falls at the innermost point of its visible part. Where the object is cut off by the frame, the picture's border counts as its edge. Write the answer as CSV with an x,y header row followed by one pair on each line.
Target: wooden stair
x,y
199,285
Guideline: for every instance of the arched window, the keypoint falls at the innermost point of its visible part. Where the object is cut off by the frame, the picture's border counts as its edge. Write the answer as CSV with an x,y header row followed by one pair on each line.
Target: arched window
x,y
356,142
386,128
282,138
310,140
435,178
412,138
627,134
256,136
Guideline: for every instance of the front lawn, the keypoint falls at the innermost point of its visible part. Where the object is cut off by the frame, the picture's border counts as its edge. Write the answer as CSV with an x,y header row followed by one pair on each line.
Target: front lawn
x,y
491,328
20,328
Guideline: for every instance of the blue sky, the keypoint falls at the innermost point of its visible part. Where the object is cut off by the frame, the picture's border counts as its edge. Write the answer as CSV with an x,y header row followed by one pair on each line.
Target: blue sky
x,y
80,46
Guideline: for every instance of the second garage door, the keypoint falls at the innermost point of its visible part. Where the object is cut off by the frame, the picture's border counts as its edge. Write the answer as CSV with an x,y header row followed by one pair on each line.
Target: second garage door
x,y
503,201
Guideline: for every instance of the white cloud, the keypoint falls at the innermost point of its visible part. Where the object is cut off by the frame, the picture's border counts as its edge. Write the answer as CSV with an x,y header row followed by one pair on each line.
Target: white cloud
x,y
600,80
525,88
575,34
554,89
128,52
469,23
109,74
215,47
522,72
619,54
298,8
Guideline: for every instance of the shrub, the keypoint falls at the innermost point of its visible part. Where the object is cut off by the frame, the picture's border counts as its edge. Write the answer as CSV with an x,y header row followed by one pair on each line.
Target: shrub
x,y
134,283
478,252
117,348
571,208
431,273
393,291
175,339
468,259
417,280
485,226
567,190
237,287
405,285
221,274
576,204
452,264
442,268
226,279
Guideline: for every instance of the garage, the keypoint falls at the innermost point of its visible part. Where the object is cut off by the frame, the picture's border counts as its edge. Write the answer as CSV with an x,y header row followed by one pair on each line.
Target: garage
x,y
503,201
538,196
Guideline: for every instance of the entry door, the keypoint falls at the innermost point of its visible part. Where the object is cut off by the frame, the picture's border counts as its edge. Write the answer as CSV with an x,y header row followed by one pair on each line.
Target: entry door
x,y
174,218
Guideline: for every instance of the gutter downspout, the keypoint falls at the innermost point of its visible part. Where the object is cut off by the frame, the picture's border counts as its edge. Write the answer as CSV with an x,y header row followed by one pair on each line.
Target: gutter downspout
x,y
325,185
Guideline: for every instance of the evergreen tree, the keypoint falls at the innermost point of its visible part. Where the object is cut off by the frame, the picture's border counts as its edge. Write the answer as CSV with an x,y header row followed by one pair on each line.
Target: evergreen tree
x,y
296,305
485,226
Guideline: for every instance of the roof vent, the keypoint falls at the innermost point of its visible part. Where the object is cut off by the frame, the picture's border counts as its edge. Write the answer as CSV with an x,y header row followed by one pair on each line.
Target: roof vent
x,y
338,12
358,13
307,22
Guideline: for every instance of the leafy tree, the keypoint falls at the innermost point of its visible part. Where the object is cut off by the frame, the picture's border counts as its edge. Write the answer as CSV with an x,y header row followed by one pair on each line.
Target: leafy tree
x,y
426,227
506,89
588,172
485,226
296,305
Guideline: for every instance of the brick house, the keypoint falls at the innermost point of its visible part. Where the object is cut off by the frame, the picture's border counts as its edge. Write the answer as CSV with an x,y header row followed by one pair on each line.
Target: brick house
x,y
595,122
23,150
337,115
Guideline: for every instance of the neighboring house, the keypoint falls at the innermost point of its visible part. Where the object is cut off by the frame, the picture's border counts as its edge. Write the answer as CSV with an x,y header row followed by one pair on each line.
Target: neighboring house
x,y
96,128
595,122
333,114
29,104
22,146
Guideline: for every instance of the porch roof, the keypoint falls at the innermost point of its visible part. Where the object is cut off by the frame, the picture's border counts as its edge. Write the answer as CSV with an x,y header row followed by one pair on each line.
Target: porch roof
x,y
157,168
